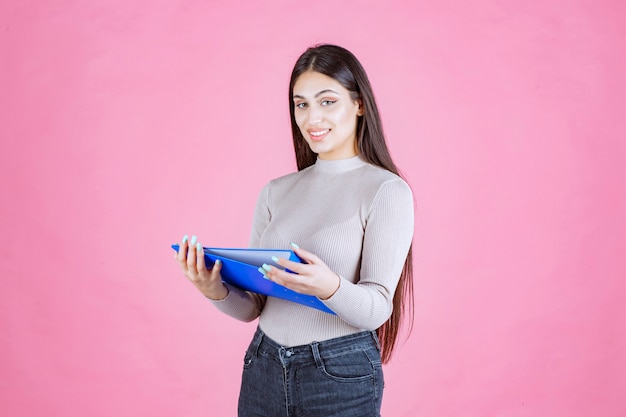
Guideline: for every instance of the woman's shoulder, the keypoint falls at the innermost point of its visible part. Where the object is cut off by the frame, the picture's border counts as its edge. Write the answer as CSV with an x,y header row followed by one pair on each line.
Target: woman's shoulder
x,y
381,176
383,188
287,179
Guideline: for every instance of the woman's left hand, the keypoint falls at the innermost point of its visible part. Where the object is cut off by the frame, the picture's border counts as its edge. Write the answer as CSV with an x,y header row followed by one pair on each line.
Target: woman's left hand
x,y
313,277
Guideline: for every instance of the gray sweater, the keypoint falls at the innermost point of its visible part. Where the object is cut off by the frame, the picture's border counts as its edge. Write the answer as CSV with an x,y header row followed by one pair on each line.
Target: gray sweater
x,y
355,217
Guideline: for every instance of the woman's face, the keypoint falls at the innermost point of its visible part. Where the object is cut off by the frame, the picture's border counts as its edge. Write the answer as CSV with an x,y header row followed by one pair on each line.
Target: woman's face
x,y
326,115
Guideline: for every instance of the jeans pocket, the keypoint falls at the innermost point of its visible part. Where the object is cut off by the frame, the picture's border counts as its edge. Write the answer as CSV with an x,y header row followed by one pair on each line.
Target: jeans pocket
x,y
354,366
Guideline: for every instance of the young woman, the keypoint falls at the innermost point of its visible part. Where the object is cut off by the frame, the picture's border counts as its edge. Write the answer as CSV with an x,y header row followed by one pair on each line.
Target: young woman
x,y
351,218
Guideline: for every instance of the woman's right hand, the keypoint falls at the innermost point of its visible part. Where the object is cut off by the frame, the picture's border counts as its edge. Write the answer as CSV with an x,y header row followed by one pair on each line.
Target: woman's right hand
x,y
190,256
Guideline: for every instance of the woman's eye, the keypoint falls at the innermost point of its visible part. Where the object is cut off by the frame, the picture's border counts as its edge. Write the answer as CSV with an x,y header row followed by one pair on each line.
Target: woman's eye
x,y
300,105
328,102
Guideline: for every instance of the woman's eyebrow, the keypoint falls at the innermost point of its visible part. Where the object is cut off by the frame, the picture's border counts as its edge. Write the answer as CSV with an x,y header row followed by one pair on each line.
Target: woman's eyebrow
x,y
318,94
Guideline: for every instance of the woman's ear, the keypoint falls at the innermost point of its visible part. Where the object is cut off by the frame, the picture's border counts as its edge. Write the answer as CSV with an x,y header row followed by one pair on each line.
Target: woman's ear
x,y
360,110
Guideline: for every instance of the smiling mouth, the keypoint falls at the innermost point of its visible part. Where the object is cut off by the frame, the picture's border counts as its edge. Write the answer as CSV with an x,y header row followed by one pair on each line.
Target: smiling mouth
x,y
318,134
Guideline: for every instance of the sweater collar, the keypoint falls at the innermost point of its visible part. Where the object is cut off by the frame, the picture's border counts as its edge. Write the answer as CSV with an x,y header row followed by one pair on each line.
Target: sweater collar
x,y
339,165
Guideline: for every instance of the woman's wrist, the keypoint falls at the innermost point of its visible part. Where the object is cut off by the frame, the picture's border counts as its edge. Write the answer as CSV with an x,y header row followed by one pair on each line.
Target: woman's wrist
x,y
334,291
218,295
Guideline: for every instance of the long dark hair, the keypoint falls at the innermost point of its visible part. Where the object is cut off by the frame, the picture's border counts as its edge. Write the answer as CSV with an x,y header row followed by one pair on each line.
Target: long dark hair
x,y
340,64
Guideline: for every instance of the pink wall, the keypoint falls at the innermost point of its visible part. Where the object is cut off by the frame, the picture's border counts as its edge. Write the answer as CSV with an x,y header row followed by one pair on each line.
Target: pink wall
x,y
126,124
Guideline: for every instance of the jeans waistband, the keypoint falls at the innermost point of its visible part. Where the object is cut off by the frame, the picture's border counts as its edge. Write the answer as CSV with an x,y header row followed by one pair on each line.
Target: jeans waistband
x,y
313,351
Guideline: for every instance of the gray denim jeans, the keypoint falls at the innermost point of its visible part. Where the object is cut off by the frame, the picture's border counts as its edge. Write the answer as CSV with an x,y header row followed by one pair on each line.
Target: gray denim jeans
x,y
340,377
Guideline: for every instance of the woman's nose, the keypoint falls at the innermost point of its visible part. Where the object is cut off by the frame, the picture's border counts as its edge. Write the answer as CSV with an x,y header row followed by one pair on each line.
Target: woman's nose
x,y
315,116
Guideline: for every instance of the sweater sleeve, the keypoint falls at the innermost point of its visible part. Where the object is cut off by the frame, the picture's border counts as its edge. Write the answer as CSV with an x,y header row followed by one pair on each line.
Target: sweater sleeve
x,y
240,304
368,303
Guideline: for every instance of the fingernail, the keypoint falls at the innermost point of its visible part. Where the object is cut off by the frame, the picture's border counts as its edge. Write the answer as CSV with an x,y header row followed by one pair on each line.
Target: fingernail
x,y
199,247
267,267
275,259
194,239
218,262
261,270
295,246
185,239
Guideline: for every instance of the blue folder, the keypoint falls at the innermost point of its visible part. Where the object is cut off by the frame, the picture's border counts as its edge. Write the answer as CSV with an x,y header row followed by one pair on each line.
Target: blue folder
x,y
240,267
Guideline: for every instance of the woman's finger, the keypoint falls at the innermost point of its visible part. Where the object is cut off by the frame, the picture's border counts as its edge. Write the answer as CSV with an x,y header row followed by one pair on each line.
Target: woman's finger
x,y
217,268
181,255
200,263
182,249
306,256
191,255
297,267
279,276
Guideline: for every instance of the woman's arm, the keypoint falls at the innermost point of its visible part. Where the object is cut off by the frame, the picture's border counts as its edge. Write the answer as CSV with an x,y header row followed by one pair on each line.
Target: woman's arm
x,y
368,303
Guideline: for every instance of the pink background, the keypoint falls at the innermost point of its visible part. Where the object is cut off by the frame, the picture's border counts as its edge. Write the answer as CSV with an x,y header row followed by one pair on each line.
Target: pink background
x,y
126,124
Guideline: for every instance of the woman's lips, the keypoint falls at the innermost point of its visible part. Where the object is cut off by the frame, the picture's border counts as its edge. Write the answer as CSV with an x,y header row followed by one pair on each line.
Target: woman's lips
x,y
318,135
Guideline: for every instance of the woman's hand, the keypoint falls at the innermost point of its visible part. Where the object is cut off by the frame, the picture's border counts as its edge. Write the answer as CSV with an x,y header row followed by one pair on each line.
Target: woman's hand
x,y
313,277
207,281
